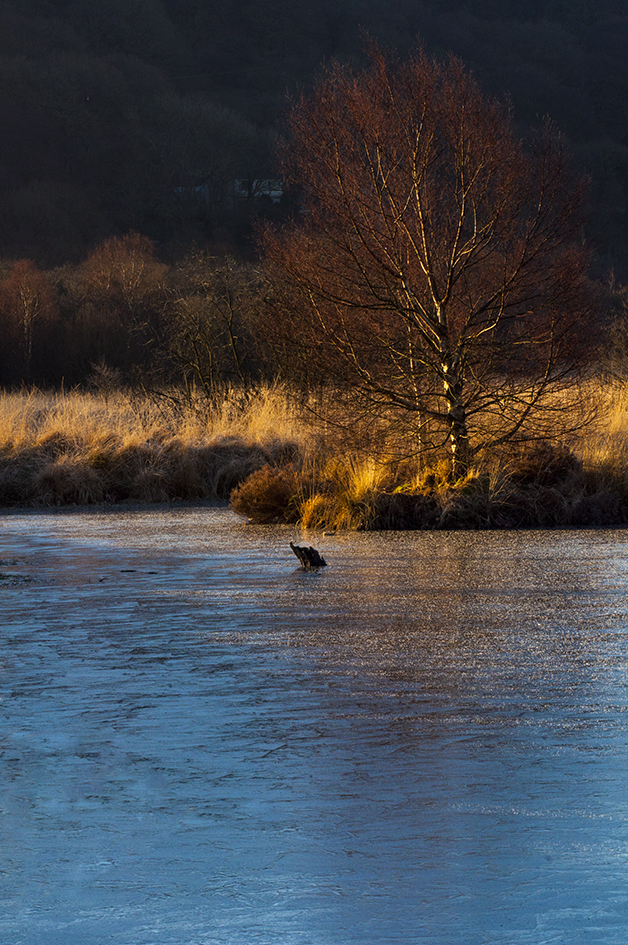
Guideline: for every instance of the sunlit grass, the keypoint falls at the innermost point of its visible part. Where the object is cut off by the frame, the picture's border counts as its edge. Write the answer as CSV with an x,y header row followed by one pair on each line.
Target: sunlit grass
x,y
79,448
262,414
82,448
605,443
581,480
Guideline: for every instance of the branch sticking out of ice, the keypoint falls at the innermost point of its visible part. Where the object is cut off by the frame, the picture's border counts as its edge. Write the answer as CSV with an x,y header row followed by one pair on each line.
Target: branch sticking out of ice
x,y
309,557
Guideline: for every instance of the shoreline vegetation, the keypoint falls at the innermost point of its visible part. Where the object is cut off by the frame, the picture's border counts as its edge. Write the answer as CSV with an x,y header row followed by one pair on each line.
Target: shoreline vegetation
x,y
261,450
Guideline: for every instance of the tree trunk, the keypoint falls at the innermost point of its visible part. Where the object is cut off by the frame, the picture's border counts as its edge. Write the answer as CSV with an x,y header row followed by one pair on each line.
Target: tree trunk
x,y
456,416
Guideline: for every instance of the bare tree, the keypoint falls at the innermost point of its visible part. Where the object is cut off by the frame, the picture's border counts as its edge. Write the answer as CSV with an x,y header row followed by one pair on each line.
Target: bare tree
x,y
27,301
121,291
205,338
123,275
436,268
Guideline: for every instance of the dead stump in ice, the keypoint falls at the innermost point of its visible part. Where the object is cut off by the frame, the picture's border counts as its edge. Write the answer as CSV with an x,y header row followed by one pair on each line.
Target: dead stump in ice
x,y
309,557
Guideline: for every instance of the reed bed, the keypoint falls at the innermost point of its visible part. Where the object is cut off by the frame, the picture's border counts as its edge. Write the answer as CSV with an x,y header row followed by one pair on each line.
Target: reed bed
x,y
260,449
81,448
579,482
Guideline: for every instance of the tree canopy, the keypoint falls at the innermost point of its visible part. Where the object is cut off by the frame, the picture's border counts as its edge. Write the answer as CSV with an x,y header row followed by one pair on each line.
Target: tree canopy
x,y
436,268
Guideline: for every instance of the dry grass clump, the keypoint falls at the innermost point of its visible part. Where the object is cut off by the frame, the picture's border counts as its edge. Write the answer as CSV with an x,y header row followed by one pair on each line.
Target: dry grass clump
x,y
67,480
73,448
603,451
268,496
339,492
344,493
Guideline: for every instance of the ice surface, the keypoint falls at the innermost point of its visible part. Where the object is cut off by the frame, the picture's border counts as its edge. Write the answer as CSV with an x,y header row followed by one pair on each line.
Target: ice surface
x,y
424,743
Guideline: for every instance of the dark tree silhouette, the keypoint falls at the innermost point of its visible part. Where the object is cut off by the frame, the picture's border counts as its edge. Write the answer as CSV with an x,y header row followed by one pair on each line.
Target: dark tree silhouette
x,y
435,269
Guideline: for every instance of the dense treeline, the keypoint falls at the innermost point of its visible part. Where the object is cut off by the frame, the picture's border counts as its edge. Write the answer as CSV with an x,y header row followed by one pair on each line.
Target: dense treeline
x,y
141,115
121,317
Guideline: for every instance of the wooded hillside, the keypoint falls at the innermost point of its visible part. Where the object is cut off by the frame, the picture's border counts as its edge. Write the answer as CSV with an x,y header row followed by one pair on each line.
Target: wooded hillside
x,y
140,114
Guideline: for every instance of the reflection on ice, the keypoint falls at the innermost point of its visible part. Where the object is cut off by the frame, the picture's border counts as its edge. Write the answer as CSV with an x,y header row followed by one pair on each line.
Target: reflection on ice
x,y
424,742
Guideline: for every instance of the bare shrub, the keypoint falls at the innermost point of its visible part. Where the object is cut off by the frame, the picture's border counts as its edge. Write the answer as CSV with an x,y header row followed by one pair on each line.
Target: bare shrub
x,y
104,379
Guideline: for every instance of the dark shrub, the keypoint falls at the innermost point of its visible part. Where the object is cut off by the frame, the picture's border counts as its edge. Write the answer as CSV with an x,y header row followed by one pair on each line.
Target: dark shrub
x,y
601,510
543,464
402,511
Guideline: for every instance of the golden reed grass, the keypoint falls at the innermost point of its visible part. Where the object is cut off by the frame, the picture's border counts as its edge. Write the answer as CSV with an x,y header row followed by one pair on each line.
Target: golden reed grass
x,y
259,448
75,448
582,481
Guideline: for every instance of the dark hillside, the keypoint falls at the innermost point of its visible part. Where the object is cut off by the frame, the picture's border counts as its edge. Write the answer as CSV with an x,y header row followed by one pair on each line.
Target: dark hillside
x,y
140,114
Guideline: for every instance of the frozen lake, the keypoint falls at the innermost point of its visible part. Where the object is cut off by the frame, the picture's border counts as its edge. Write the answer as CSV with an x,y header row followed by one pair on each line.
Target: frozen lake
x,y
425,743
